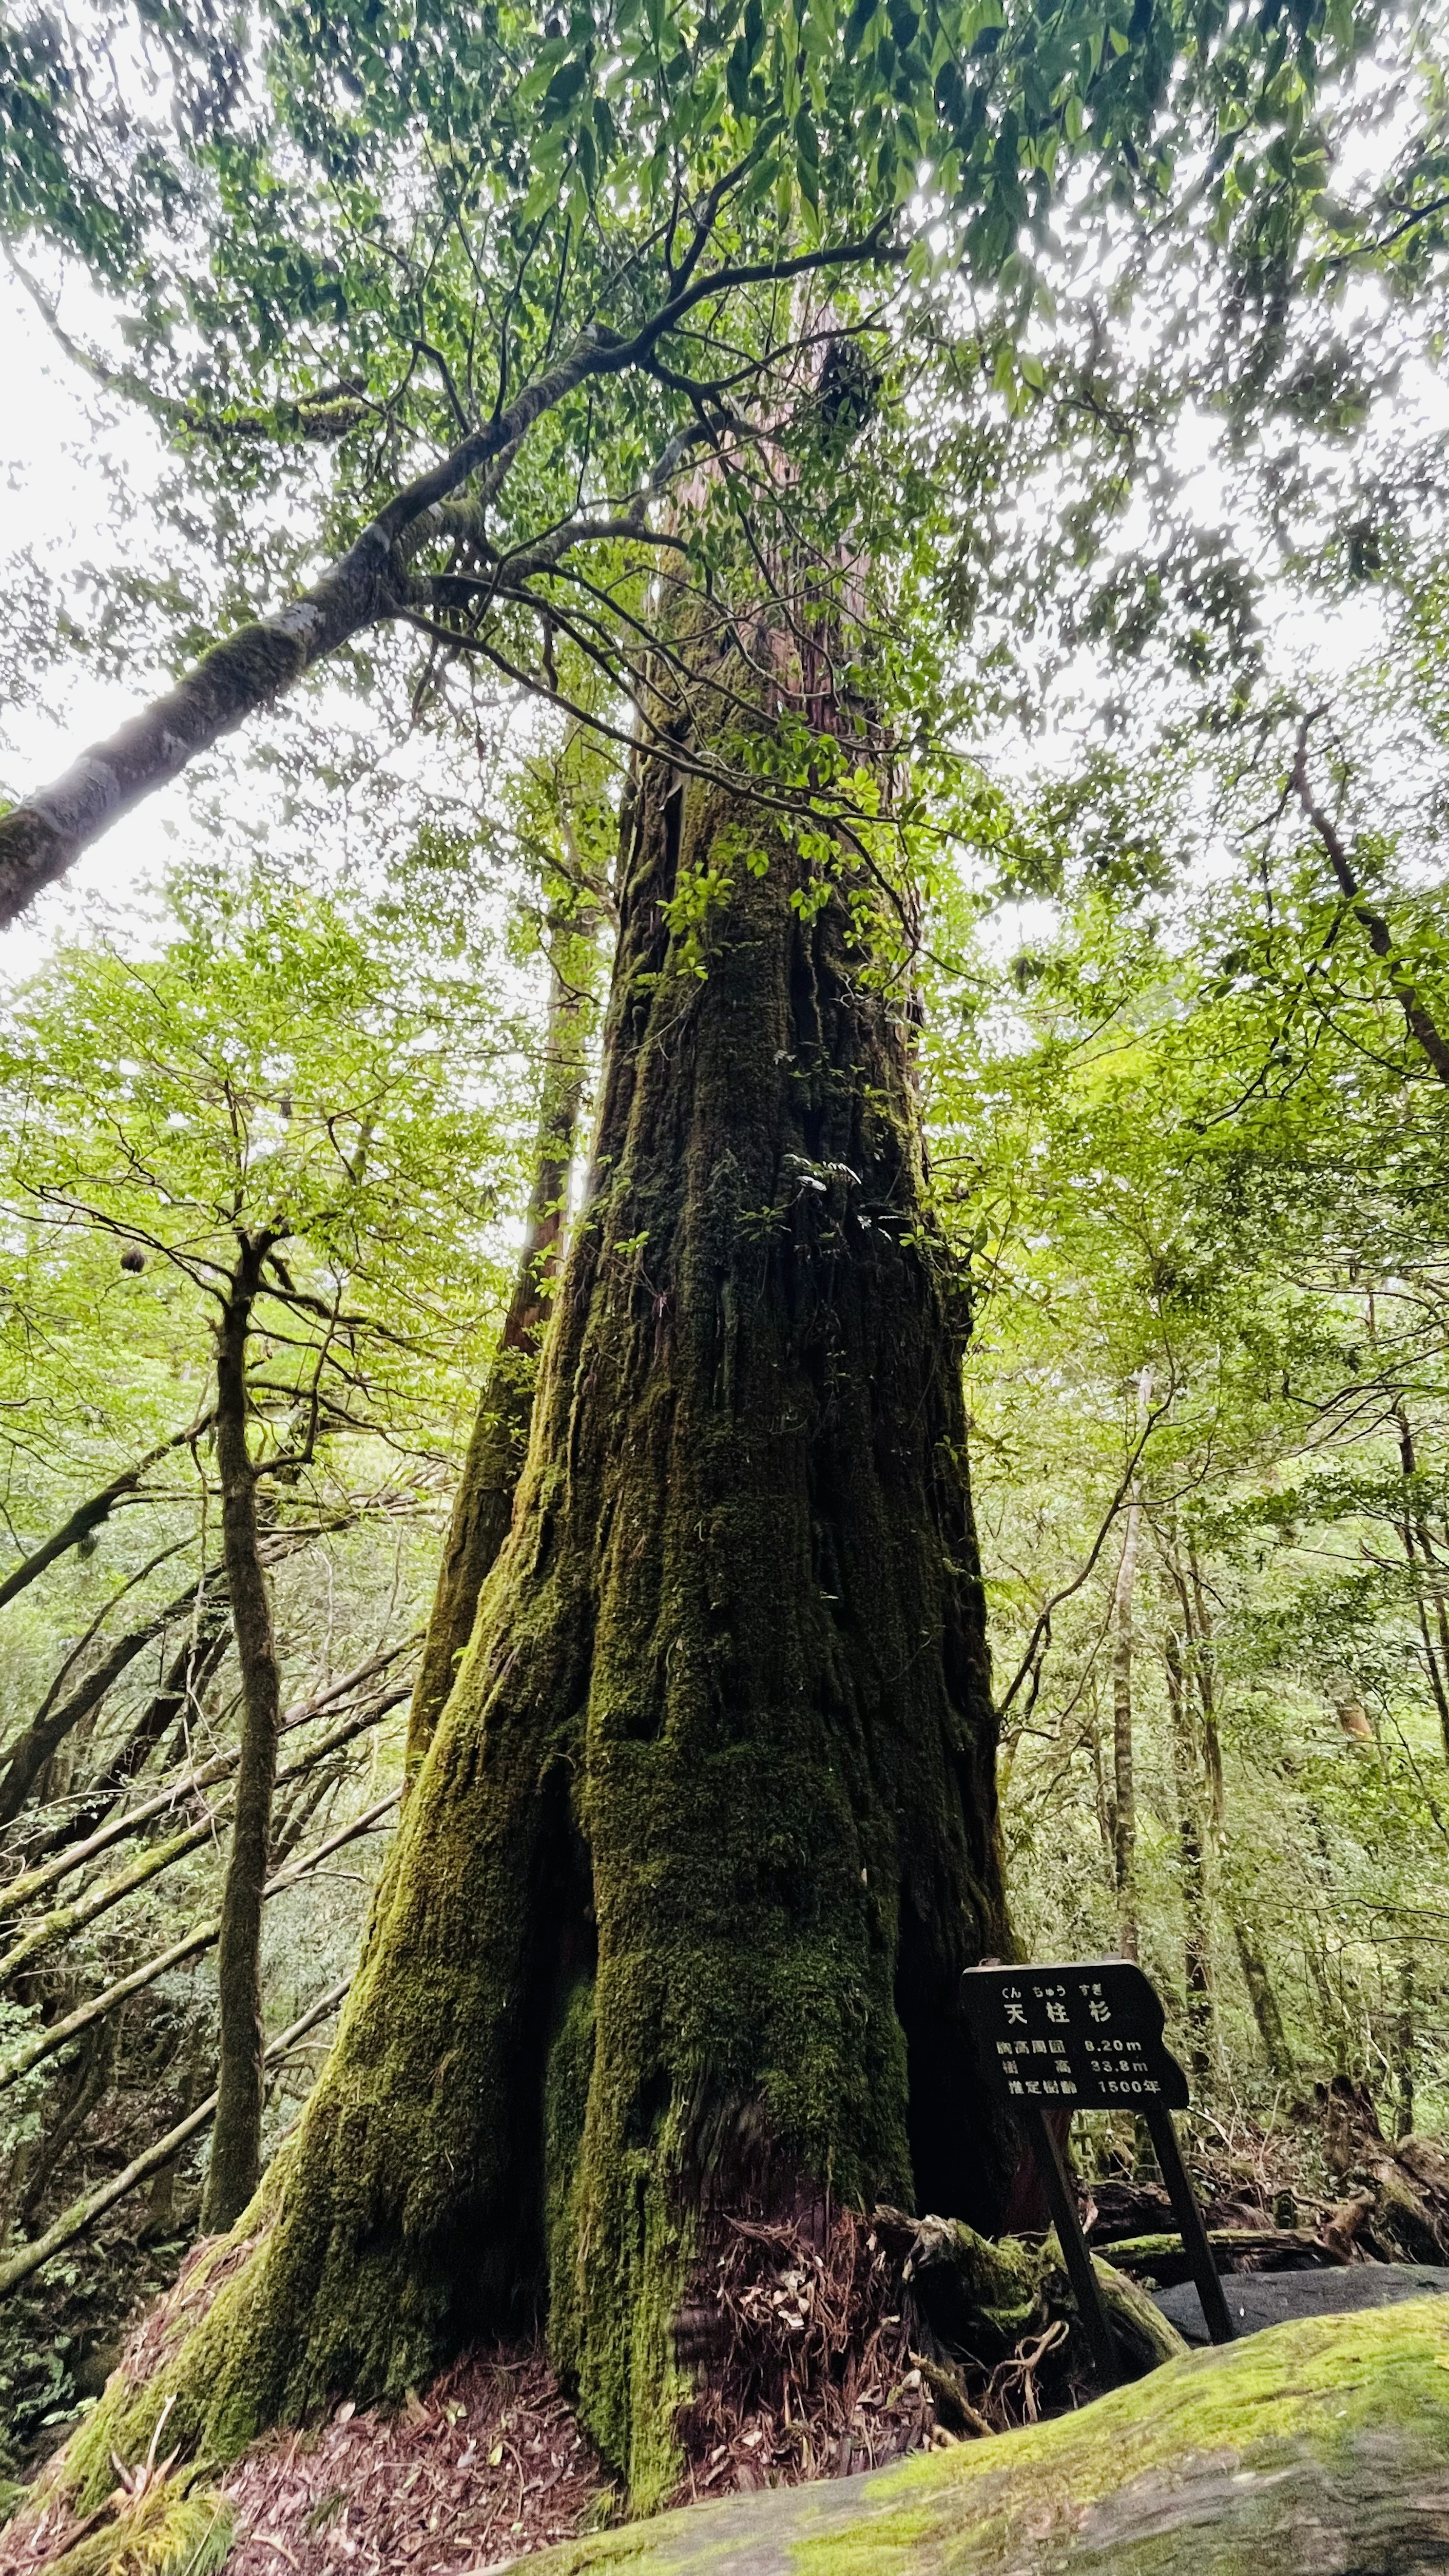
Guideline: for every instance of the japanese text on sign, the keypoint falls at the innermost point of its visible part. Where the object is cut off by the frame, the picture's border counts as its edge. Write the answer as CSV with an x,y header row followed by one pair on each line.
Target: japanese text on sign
x,y
1087,2037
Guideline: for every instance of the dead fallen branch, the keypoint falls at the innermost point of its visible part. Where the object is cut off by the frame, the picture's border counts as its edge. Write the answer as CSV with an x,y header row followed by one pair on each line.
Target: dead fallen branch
x,y
35,1882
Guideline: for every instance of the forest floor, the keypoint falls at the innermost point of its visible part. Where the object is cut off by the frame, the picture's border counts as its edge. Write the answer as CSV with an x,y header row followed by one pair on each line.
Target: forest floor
x,y
488,2466
811,2368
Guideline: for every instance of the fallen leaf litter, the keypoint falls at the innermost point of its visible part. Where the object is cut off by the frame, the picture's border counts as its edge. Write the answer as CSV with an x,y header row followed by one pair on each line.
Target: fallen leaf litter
x,y
486,2467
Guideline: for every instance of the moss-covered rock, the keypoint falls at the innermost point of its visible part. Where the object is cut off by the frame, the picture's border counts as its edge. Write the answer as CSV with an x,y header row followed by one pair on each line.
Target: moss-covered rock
x,y
1319,2449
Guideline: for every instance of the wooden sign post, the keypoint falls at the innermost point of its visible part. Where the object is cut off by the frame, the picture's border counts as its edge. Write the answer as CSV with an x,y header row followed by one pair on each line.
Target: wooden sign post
x,y
1088,2037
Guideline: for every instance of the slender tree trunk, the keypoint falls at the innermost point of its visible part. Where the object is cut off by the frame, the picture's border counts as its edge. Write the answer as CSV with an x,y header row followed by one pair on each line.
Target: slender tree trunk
x,y
1262,1997
1197,1947
161,2216
83,2213
1191,1591
22,1891
1102,1795
1124,1788
89,2084
1200,1632
483,1507
1411,1529
1405,2050
707,1831
38,2156
236,2150
1418,1019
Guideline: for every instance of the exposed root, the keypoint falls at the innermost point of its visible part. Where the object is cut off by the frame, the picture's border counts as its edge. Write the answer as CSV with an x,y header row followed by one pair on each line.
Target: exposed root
x,y
826,2346
1014,2390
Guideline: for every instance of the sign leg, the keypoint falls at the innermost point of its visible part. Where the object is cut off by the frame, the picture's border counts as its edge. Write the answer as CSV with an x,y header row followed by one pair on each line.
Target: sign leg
x,y
1189,2223
1062,2201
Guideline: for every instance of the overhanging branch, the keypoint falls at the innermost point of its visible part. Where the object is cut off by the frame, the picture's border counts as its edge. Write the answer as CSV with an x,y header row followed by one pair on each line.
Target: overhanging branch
x,y
43,835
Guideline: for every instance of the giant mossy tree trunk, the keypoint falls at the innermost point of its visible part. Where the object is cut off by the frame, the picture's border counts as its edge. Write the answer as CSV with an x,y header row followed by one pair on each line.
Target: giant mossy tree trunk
x,y
708,1828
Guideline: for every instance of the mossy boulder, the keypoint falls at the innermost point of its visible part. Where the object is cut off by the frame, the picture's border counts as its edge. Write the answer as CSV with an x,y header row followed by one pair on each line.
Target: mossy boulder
x,y
1319,2449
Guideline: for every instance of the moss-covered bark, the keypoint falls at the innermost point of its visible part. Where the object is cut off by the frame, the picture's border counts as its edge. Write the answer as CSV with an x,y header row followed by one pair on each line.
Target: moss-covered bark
x,y
708,1827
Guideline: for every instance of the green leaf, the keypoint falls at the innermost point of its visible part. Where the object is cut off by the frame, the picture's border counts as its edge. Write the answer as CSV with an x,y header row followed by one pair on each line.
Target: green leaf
x,y
981,15
562,91
861,14
759,183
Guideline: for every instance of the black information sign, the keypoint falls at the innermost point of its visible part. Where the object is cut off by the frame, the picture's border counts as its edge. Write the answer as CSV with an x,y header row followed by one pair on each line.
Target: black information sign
x,y
1087,2036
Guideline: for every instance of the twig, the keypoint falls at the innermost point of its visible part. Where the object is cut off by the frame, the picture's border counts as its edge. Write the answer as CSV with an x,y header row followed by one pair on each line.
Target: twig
x,y
35,1882
1042,1630
65,1920
1417,1017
